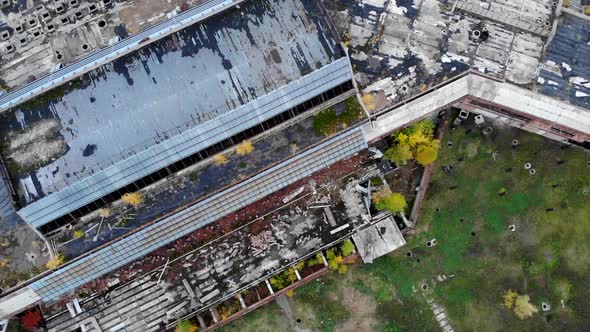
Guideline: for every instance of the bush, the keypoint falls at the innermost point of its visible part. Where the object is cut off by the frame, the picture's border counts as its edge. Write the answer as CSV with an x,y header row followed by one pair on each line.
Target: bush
x,y
347,248
220,159
376,181
244,148
394,203
185,326
55,262
134,199
104,212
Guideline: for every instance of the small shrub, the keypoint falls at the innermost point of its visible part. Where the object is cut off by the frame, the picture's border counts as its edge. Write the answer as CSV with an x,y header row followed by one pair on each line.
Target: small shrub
x,y
587,11
185,326
78,234
104,212
55,262
523,308
342,269
300,266
220,159
376,181
134,199
347,248
509,299
244,148
290,293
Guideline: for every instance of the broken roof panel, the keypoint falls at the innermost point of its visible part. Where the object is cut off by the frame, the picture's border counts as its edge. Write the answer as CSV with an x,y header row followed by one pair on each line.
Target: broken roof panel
x,y
198,215
191,141
565,72
182,81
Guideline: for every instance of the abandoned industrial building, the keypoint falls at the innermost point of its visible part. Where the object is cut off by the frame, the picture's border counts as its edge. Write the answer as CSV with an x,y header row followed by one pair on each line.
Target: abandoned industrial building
x,y
159,109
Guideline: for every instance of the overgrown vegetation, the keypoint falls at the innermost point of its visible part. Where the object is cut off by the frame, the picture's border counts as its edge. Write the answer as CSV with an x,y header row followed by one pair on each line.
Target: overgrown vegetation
x,y
327,122
51,95
416,141
545,259
395,203
185,326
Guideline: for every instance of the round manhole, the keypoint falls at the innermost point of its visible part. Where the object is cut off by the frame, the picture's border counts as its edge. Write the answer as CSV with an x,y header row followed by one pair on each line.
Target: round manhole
x,y
298,320
514,142
450,144
528,166
473,234
429,244
85,47
476,33
532,171
409,253
102,23
424,287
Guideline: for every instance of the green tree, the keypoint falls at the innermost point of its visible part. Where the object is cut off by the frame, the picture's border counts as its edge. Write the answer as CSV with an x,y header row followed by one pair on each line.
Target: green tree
x,y
394,203
416,141
399,154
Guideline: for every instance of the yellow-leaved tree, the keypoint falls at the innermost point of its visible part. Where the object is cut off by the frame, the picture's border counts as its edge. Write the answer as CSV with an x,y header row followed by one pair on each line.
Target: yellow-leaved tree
x,y
416,141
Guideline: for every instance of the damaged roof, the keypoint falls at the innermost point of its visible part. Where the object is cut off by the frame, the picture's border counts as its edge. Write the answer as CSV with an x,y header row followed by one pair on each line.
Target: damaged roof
x,y
181,82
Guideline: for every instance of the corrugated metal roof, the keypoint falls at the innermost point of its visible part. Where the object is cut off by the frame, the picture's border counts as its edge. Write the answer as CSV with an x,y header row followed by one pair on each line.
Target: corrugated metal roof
x,y
137,245
191,141
179,82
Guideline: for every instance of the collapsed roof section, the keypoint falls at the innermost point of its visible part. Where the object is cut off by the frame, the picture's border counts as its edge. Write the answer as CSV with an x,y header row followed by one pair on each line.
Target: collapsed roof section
x,y
167,101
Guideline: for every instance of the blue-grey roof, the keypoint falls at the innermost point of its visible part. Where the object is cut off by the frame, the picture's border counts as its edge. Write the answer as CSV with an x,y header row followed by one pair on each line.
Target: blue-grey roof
x,y
191,141
179,82
114,51
139,244
565,72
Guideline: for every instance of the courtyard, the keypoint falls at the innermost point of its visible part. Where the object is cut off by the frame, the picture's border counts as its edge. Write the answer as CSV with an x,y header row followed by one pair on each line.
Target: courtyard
x,y
497,227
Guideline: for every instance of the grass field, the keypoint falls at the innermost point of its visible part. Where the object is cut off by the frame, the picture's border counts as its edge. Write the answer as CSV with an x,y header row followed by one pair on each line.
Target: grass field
x,y
469,207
